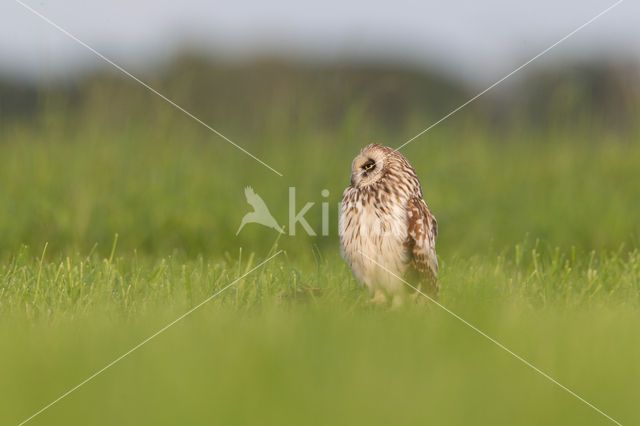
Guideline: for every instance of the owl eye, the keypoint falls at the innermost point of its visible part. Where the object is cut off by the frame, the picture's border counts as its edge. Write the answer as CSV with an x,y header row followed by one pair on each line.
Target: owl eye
x,y
369,165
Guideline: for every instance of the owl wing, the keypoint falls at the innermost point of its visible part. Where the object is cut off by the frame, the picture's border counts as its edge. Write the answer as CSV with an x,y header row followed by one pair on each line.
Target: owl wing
x,y
421,241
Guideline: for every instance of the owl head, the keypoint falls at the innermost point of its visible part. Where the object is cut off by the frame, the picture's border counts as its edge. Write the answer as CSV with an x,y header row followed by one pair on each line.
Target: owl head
x,y
368,167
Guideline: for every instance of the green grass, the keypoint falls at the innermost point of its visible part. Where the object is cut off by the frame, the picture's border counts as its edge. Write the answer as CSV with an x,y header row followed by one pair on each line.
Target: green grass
x,y
288,346
538,248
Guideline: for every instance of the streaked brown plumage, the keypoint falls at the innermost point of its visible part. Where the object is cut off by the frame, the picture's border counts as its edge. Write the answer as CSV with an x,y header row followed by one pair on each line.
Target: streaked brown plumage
x,y
384,220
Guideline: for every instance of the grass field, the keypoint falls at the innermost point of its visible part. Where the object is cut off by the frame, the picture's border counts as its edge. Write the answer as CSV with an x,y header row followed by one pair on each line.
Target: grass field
x,y
112,229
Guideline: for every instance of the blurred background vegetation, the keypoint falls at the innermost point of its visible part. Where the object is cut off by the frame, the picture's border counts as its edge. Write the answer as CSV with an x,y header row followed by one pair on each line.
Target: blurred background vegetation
x,y
554,155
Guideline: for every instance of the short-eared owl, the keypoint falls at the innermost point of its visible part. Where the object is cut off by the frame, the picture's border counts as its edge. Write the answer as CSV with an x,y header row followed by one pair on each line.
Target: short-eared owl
x,y
385,221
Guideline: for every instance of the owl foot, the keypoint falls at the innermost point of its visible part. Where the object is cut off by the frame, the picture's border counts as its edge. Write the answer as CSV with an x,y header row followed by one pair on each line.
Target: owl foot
x,y
397,302
379,298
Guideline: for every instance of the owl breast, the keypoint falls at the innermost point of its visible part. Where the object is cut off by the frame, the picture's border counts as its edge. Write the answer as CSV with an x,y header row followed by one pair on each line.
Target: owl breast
x,y
371,229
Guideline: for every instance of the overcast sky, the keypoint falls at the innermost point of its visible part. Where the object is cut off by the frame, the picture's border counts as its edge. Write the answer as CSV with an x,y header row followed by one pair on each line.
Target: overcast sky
x,y
479,40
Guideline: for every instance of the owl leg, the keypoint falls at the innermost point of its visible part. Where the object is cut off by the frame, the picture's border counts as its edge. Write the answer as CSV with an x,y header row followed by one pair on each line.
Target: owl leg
x,y
397,301
379,297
